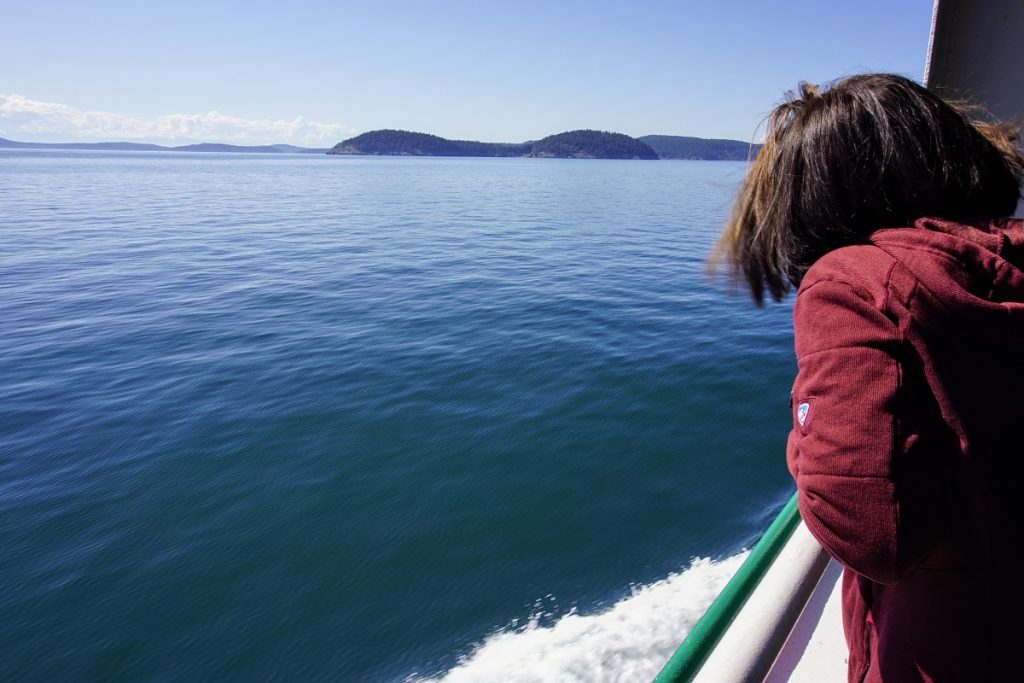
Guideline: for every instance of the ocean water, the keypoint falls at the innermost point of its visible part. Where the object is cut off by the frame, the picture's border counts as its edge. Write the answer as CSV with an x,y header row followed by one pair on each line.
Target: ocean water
x,y
372,419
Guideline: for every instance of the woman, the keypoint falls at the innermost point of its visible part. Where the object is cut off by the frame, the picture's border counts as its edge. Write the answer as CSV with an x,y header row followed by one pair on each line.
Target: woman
x,y
887,207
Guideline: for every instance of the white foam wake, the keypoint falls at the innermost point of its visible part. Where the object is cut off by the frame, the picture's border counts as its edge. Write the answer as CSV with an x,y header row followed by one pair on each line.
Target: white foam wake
x,y
631,641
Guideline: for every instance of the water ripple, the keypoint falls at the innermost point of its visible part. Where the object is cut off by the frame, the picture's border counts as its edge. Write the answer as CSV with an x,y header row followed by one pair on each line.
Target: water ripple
x,y
285,416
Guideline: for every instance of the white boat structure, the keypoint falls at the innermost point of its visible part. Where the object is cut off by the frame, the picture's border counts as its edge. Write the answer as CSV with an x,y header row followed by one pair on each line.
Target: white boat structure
x,y
779,618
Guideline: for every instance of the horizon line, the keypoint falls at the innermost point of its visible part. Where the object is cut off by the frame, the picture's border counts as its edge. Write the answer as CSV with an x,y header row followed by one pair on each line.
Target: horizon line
x,y
168,144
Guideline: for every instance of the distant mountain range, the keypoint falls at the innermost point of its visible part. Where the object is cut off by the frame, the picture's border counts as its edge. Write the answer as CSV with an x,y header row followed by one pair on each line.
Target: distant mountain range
x,y
577,144
141,147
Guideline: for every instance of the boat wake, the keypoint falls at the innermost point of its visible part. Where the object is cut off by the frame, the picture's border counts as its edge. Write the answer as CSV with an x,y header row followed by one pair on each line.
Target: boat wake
x,y
630,641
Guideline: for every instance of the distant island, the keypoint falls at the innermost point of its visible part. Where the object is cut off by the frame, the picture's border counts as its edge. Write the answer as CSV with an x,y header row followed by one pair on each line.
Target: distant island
x,y
142,147
576,144
706,149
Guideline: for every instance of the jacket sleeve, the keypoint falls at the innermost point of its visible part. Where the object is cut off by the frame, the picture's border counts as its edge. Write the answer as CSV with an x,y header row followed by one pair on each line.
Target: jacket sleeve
x,y
864,492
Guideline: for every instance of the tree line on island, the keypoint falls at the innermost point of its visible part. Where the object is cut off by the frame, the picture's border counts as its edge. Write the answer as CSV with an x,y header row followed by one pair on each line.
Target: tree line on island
x,y
705,149
576,144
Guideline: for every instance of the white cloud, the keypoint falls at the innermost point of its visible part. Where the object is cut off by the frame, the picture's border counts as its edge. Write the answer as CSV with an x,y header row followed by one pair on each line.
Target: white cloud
x,y
26,119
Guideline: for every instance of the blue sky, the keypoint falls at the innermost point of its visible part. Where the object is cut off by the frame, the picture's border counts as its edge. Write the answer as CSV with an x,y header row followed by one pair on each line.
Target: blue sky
x,y
314,73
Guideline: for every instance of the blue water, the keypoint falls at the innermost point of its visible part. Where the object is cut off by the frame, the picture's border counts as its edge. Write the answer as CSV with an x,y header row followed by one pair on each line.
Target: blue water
x,y
274,417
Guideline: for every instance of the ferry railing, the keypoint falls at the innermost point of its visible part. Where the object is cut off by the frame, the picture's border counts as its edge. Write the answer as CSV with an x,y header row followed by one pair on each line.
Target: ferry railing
x,y
743,631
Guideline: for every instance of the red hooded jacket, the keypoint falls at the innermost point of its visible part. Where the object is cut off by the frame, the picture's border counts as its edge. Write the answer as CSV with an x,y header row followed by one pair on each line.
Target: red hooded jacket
x,y
908,445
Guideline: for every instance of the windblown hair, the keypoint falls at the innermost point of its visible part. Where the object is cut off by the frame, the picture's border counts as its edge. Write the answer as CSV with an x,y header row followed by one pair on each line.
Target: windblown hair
x,y
870,152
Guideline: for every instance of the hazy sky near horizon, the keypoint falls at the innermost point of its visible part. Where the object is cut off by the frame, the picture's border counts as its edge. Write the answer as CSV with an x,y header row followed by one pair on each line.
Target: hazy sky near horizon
x,y
313,73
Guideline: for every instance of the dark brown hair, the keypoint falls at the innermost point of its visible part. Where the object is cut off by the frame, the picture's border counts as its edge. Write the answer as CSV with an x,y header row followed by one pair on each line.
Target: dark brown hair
x,y
871,151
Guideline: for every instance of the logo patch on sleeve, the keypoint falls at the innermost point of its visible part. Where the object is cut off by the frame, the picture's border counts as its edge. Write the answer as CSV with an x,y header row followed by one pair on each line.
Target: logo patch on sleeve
x,y
802,411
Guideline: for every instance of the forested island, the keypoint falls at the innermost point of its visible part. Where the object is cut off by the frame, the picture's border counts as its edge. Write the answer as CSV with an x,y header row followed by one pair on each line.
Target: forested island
x,y
708,149
576,144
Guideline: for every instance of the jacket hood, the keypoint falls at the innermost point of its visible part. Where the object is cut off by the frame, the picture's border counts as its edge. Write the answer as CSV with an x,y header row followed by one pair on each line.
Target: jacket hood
x,y
985,259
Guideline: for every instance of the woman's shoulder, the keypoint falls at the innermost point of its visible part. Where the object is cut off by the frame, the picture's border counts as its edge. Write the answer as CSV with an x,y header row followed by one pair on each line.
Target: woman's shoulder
x,y
891,272
867,270
845,303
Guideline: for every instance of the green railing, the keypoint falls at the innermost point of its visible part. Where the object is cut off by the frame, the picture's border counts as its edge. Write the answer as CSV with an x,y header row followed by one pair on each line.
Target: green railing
x,y
690,656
